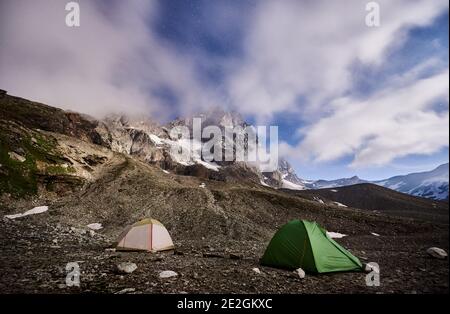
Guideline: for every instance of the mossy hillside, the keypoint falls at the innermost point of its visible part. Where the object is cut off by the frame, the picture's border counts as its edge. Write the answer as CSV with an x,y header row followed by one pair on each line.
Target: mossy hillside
x,y
20,178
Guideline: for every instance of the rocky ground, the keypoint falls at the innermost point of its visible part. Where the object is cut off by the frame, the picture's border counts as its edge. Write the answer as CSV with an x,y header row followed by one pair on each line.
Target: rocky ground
x,y
36,249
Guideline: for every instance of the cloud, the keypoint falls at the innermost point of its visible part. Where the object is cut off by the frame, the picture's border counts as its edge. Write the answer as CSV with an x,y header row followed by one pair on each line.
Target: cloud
x,y
113,62
393,123
299,59
298,54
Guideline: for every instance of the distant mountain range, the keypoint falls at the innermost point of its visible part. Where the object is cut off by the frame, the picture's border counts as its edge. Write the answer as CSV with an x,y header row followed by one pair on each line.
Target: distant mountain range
x,y
325,184
429,184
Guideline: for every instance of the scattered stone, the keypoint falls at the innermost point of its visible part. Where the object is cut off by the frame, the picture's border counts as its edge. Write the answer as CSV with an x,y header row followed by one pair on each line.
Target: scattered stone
x,y
20,151
213,255
300,272
235,256
15,156
95,226
167,274
177,252
371,267
109,249
126,267
437,253
62,286
256,270
77,230
126,290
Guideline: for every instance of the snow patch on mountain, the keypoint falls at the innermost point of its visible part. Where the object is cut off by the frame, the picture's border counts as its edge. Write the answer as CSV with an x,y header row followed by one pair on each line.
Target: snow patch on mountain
x,y
430,184
292,186
326,184
339,204
155,139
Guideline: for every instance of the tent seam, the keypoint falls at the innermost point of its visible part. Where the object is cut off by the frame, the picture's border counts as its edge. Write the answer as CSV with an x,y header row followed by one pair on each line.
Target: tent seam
x,y
312,250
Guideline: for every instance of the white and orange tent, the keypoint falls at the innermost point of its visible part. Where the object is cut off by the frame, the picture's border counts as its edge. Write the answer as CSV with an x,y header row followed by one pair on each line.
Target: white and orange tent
x,y
145,235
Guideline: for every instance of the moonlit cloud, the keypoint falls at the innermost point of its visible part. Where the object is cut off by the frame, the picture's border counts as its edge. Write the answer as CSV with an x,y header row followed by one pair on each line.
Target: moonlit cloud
x,y
299,58
299,53
393,123
113,62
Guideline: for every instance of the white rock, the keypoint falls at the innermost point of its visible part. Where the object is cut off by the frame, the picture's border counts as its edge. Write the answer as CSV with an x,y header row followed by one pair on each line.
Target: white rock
x,y
375,234
95,226
126,267
126,290
336,235
256,270
437,253
372,267
317,199
300,272
167,274
16,157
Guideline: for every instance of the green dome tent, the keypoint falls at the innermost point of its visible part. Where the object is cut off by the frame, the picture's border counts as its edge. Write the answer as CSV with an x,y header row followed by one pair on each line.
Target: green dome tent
x,y
304,244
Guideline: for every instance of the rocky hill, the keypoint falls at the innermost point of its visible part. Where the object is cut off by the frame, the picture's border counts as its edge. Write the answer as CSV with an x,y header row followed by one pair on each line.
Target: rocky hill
x,y
378,199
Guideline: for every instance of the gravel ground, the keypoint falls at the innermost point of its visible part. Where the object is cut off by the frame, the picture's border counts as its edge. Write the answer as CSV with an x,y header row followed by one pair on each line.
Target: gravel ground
x,y
35,251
